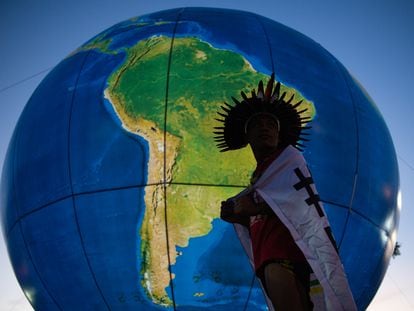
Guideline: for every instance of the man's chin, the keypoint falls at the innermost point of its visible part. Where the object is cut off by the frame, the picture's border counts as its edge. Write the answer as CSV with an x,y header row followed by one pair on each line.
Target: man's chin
x,y
268,146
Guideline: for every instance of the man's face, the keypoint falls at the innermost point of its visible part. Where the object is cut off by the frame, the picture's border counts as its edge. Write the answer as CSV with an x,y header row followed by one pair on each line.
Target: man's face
x,y
262,132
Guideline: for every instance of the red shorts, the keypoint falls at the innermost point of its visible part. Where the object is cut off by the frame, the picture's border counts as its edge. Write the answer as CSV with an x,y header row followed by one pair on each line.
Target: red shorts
x,y
271,241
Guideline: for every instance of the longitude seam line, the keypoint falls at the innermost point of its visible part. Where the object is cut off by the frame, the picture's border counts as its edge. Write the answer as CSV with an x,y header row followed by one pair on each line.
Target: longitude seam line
x,y
341,70
268,43
366,289
36,271
250,292
24,239
165,157
71,188
273,70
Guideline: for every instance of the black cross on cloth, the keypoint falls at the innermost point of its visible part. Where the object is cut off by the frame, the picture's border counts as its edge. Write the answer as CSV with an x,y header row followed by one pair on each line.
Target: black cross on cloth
x,y
306,182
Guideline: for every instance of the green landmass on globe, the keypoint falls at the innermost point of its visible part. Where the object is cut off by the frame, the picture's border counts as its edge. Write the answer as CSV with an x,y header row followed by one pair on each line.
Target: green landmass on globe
x,y
137,91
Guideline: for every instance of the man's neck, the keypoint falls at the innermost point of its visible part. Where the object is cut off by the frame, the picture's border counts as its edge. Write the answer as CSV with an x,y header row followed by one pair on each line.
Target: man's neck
x,y
262,155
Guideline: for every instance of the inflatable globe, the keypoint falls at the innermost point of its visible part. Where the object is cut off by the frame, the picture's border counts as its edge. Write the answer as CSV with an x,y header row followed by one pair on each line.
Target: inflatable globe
x,y
112,182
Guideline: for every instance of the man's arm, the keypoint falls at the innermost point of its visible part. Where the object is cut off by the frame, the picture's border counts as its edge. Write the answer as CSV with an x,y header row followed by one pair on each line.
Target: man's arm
x,y
240,209
246,206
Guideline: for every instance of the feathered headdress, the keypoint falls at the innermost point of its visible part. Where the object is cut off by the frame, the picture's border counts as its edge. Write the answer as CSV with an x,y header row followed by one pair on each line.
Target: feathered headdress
x,y
232,135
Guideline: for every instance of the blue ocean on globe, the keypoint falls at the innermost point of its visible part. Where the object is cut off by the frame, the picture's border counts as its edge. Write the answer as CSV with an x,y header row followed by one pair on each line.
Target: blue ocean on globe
x,y
112,183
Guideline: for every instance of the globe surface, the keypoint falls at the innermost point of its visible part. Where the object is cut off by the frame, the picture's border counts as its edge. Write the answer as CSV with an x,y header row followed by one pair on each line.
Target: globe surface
x,y
112,183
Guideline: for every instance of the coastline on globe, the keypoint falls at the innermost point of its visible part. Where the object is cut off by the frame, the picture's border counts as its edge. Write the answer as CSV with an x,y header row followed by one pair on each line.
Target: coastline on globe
x,y
137,90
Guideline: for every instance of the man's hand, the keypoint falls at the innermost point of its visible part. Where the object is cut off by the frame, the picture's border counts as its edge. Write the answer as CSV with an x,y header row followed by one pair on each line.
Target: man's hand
x,y
227,214
245,206
226,209
239,210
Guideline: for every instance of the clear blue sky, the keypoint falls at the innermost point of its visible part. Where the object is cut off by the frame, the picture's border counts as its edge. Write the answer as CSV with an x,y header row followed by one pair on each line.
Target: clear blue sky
x,y
373,39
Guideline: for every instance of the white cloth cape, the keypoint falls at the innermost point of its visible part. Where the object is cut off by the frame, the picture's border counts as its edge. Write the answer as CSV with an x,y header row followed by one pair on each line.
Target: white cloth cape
x,y
276,187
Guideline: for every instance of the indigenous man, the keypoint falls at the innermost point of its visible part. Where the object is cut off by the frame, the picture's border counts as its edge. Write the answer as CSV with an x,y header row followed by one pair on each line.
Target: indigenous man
x,y
279,218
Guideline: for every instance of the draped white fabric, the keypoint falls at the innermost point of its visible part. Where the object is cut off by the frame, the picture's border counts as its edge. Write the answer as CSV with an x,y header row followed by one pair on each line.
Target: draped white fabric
x,y
287,187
